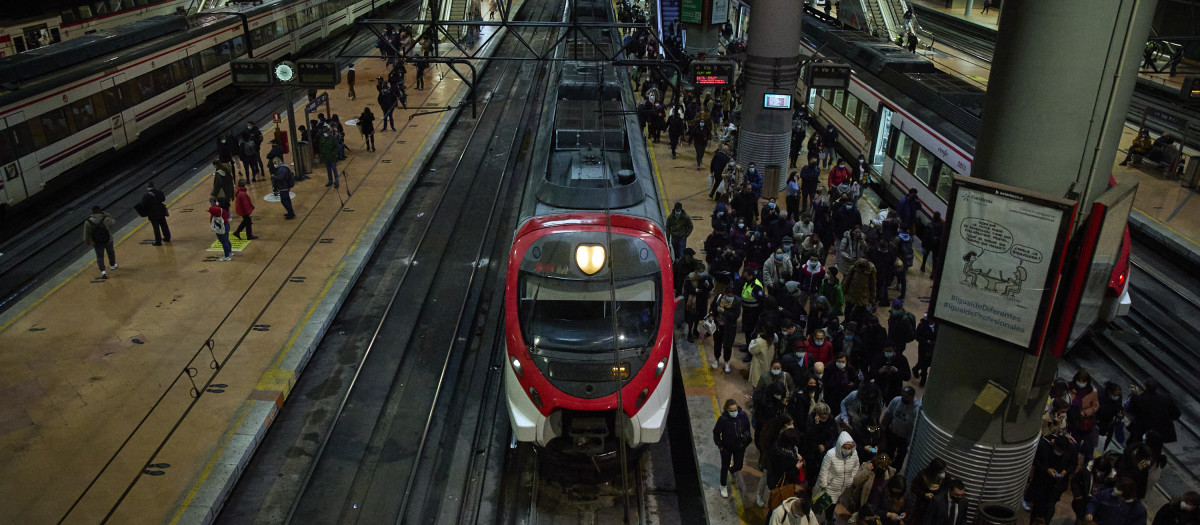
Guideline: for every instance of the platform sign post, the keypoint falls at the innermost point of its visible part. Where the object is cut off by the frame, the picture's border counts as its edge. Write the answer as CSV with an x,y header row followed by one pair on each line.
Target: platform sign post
x,y
1001,261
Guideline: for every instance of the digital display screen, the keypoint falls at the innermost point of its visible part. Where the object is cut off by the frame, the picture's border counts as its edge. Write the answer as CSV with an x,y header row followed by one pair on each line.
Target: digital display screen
x,y
323,73
710,74
776,101
250,72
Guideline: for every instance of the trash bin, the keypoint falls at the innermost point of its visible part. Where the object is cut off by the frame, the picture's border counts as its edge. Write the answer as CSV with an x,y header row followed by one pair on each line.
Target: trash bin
x,y
1191,173
996,513
303,157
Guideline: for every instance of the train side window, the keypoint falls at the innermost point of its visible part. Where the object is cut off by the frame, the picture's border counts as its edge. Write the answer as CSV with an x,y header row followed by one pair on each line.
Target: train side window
x,y
924,167
112,100
68,16
8,150
239,46
223,50
866,115
945,181
181,71
292,23
50,127
83,112
851,111
902,149
85,12
839,100
22,139
162,79
209,60
145,86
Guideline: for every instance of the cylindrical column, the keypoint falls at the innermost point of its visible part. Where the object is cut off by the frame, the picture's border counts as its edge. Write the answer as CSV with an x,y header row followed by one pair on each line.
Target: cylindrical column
x,y
1056,104
772,66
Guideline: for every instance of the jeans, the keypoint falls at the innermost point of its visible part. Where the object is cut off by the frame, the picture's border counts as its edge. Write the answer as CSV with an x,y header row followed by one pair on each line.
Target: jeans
x,y
678,244
224,238
331,171
285,198
387,117
101,250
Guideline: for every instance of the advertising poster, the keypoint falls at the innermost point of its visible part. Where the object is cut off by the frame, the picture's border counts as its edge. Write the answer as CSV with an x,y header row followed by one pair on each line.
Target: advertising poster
x,y
720,11
691,11
1001,260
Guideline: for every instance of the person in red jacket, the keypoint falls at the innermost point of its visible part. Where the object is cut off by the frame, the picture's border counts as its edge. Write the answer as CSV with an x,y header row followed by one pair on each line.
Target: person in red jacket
x,y
819,349
244,206
838,174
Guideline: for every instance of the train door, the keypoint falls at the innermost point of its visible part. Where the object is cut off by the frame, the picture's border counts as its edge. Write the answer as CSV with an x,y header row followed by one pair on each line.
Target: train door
x,y
879,151
16,143
115,98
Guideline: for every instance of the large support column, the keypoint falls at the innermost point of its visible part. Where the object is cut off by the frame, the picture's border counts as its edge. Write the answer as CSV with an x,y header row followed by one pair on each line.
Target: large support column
x,y
772,66
1061,80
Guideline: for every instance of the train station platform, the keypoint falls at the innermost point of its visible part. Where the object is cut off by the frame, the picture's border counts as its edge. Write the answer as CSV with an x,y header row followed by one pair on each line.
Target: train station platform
x,y
1163,209
990,19
139,398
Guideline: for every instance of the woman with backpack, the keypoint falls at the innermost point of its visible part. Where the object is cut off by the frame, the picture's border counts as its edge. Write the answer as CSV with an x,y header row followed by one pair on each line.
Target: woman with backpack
x,y
97,233
218,222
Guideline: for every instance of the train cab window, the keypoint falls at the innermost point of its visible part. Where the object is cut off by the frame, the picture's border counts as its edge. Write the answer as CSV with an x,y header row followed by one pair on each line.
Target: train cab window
x,y
577,315
923,169
902,149
68,16
239,46
85,12
50,127
945,181
83,112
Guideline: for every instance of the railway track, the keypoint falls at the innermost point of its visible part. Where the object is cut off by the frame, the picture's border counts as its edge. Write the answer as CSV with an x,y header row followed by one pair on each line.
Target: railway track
x,y
41,242
1157,340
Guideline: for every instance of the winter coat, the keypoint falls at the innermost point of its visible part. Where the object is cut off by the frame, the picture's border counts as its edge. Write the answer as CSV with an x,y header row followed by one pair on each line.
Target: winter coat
x,y
810,177
762,352
890,382
329,149
859,285
1152,411
831,290
849,251
863,481
283,179
1108,509
99,218
679,226
732,433
837,470
838,175
217,211
222,186
900,418
366,122
788,513
844,219
153,204
802,231
820,352
775,273
855,412
242,204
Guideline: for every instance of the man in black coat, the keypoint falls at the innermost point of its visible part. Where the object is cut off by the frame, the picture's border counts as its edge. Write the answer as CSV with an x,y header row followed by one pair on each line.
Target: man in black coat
x,y
153,207
949,507
1149,410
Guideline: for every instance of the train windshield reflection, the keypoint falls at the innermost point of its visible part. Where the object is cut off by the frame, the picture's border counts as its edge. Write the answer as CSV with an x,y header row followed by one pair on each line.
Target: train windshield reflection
x,y
575,315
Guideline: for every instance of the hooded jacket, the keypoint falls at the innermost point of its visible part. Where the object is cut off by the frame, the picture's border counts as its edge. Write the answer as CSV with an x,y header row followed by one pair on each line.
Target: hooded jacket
x,y
789,513
98,218
859,285
242,203
837,470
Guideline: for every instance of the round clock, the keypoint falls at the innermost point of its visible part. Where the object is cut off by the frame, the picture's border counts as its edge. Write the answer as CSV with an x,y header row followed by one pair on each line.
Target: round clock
x,y
285,71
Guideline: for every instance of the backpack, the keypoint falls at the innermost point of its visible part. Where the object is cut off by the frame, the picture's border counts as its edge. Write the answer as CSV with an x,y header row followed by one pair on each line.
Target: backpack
x,y
217,225
901,329
100,234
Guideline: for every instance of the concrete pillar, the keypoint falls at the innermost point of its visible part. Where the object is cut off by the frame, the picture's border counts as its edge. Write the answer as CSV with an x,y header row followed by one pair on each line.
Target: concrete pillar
x,y
772,66
1061,81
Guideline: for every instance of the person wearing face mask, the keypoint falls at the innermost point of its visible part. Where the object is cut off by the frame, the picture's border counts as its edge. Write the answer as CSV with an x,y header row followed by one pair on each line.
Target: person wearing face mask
x,y
926,337
792,197
1052,465
931,244
1110,417
809,276
776,270
770,210
1117,506
925,486
675,128
762,351
806,397
839,174
716,171
724,310
908,208
251,140
745,204
732,436
810,179
820,435
838,468
799,133
845,217
883,257
766,441
1179,511
828,141
861,406
950,507
804,228
852,246
819,348
1150,409
1081,417
859,174
796,510
899,418
890,370
679,227
860,289
701,134
850,343
696,289
226,150
840,380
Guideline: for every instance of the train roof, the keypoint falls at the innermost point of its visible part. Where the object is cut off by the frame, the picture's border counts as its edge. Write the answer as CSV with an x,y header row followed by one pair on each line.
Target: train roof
x,y
947,103
31,65
192,28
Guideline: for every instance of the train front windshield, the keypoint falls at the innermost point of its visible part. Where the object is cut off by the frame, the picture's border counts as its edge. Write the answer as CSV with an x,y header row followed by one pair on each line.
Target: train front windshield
x,y
575,315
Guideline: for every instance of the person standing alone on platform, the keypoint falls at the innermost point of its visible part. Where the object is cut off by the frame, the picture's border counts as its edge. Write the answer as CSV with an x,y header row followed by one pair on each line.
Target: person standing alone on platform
x,y
244,207
366,124
222,190
329,155
679,227
218,222
226,150
98,233
350,80
282,181
152,207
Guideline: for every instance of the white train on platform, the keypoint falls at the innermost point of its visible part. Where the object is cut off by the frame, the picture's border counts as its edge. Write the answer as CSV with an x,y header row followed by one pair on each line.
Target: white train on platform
x,y
51,25
117,85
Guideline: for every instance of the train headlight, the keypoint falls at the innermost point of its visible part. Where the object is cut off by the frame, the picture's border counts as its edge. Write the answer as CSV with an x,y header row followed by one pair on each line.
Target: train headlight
x,y
536,397
662,367
641,398
589,258
516,365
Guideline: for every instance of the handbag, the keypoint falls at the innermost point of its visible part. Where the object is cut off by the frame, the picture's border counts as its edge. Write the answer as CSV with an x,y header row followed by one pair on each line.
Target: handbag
x,y
821,501
707,327
781,493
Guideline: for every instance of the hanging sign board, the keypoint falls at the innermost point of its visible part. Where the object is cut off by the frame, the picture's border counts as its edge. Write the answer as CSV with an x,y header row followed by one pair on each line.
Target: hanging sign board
x,y
691,11
827,76
1001,260
716,74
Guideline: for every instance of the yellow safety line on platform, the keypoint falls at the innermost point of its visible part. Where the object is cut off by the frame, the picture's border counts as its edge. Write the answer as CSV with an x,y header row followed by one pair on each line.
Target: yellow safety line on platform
x,y
58,286
221,445
1164,225
275,379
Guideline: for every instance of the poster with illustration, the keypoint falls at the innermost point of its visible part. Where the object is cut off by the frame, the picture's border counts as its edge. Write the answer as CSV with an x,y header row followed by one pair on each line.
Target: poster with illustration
x,y
1001,260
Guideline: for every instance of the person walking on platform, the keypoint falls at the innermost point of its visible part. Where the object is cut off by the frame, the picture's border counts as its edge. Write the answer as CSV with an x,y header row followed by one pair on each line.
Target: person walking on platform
x,y
798,136
679,227
675,128
244,207
732,436
218,222
153,207
226,150
700,137
366,124
828,141
282,181
810,179
222,186
254,138
387,104
987,6
329,155
421,68
350,80
98,233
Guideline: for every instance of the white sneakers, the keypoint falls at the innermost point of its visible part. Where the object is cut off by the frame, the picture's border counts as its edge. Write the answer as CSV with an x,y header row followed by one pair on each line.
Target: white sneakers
x,y
724,491
726,368
714,365
104,275
230,258
113,267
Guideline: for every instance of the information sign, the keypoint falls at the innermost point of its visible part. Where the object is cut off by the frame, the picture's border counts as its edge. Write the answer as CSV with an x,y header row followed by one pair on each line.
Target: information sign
x,y
318,73
250,72
317,102
777,101
828,76
691,11
1001,260
720,11
716,74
